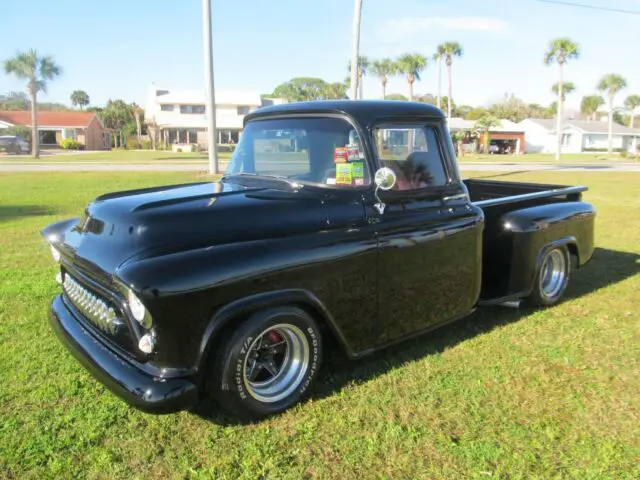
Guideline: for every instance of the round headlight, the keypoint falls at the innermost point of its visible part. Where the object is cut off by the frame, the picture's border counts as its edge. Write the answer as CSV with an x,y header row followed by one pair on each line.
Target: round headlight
x,y
147,343
55,253
137,308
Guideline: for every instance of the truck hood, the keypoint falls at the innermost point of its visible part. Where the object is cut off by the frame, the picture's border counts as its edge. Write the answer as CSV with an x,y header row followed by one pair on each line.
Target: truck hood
x,y
119,226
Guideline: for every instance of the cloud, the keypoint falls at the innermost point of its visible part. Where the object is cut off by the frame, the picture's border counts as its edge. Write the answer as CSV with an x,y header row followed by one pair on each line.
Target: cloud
x,y
396,29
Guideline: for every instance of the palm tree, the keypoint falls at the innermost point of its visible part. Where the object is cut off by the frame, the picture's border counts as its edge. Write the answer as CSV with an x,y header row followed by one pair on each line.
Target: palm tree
x,y
484,124
79,98
137,110
450,50
411,65
612,83
560,51
590,105
383,69
437,57
363,65
631,103
567,88
37,70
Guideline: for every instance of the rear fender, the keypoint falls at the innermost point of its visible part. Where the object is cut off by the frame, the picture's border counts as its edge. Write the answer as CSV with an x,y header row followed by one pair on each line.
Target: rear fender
x,y
239,309
536,230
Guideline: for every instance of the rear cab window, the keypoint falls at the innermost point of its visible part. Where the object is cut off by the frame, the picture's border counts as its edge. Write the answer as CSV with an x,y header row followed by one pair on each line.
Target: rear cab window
x,y
313,150
414,153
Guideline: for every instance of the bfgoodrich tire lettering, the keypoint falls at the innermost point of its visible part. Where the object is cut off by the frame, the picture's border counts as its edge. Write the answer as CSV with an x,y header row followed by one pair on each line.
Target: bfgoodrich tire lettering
x,y
267,364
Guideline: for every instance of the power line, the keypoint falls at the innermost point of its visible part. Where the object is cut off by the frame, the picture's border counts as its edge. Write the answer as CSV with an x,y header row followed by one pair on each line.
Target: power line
x,y
592,7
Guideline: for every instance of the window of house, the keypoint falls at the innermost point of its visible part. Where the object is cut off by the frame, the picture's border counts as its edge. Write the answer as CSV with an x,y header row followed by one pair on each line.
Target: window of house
x,y
566,139
243,109
166,108
191,109
413,153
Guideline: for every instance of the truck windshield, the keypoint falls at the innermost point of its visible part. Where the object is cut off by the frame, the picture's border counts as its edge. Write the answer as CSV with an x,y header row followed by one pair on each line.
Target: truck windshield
x,y
307,150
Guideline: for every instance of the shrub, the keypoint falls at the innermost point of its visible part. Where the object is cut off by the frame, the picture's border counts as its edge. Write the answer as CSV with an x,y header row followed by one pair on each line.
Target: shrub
x,y
194,147
70,144
146,144
132,144
179,150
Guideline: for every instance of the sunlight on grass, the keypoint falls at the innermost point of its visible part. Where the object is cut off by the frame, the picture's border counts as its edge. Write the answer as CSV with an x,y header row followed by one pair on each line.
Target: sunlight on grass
x,y
503,394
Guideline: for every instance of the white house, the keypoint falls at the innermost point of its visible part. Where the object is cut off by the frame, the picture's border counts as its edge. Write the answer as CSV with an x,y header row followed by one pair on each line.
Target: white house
x,y
507,134
578,136
181,114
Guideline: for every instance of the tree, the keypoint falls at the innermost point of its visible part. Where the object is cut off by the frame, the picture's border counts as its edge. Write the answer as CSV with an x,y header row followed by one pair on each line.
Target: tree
x,y
383,69
363,65
560,51
116,115
590,104
302,89
438,58
14,101
411,65
631,103
476,114
611,83
335,91
511,107
37,70
397,96
137,112
79,98
484,125
567,88
450,50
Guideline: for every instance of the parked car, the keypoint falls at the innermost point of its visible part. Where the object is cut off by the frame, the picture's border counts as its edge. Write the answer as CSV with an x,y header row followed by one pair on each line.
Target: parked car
x,y
231,288
13,144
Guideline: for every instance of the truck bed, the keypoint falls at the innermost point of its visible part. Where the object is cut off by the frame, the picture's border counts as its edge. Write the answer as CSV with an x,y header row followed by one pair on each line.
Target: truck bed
x,y
489,193
502,251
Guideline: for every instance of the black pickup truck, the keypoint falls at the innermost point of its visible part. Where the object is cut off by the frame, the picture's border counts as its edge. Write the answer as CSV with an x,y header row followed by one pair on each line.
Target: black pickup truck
x,y
333,219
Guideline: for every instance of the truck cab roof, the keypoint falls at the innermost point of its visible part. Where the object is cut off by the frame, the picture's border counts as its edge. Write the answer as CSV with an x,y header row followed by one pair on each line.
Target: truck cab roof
x,y
363,111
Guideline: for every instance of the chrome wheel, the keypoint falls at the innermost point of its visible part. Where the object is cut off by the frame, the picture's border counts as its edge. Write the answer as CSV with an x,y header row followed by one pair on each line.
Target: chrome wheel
x,y
276,363
553,274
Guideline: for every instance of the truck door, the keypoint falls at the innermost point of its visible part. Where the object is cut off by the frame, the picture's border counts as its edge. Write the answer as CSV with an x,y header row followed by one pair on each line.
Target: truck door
x,y
429,235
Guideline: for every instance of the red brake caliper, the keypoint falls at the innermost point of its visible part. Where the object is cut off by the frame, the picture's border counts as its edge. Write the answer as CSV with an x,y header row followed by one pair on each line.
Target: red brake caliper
x,y
274,337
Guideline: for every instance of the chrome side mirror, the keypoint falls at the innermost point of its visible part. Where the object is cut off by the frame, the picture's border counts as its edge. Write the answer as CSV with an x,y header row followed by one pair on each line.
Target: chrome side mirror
x,y
385,179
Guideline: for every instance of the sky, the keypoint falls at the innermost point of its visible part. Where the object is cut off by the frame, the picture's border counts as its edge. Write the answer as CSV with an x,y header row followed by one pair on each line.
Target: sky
x,y
115,49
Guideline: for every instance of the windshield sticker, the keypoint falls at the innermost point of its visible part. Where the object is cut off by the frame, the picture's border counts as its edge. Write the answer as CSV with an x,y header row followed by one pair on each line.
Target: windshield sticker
x,y
353,152
357,170
358,181
331,181
340,155
343,174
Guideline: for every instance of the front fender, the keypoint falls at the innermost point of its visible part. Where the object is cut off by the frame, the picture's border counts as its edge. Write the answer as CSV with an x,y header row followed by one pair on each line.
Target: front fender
x,y
239,309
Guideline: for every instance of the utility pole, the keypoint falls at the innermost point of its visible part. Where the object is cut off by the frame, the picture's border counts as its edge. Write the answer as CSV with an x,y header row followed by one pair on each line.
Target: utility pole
x,y
355,50
209,92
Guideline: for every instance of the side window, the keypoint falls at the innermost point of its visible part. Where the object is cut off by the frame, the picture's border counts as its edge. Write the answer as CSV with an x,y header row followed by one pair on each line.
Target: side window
x,y
413,153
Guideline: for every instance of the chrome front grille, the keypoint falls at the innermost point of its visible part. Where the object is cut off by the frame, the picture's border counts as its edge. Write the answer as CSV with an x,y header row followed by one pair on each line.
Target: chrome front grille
x,y
96,310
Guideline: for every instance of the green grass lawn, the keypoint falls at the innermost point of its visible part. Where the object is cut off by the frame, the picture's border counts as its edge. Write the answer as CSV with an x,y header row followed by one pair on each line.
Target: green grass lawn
x,y
148,156
572,158
115,156
506,393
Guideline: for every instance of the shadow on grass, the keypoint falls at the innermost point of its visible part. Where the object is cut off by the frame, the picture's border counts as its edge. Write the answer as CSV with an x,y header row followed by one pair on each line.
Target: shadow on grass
x,y
13,212
607,268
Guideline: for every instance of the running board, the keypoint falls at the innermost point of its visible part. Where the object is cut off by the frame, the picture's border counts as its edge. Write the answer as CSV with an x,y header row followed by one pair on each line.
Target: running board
x,y
501,302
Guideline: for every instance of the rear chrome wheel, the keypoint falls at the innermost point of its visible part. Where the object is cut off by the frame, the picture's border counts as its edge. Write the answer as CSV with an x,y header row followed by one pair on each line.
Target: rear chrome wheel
x,y
552,278
276,363
553,273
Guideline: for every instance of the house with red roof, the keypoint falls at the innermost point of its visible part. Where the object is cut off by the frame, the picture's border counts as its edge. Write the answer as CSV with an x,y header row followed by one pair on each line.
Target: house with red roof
x,y
53,127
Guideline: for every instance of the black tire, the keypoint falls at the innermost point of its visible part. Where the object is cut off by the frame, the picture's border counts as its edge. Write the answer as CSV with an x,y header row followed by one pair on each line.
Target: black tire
x,y
546,290
229,366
